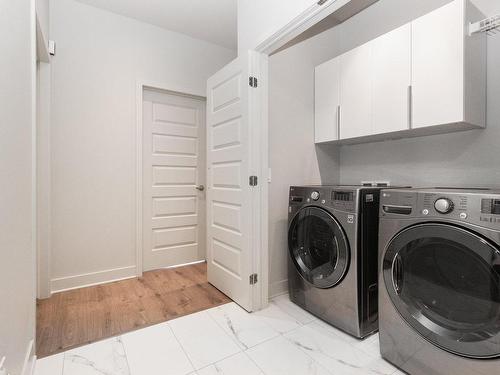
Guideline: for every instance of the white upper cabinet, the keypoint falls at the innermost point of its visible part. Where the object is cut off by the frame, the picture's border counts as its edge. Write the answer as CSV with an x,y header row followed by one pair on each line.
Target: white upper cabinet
x,y
327,101
355,92
426,77
391,87
441,50
437,69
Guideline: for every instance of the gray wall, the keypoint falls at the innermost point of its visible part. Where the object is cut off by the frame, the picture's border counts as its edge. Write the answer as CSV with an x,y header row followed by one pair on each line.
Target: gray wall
x,y
294,160
452,159
469,158
17,258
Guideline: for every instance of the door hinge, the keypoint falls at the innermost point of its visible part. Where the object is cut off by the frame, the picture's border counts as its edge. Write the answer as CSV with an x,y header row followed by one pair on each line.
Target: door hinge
x,y
253,279
253,180
253,82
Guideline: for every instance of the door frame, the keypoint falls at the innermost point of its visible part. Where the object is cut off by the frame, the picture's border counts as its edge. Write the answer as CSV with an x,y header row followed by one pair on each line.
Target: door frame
x,y
140,87
314,14
272,44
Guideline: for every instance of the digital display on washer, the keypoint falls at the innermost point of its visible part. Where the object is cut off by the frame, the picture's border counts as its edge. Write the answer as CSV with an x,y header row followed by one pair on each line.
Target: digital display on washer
x,y
343,196
490,206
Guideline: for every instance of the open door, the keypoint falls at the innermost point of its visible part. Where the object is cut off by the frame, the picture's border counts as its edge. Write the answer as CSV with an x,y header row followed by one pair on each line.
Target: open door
x,y
234,194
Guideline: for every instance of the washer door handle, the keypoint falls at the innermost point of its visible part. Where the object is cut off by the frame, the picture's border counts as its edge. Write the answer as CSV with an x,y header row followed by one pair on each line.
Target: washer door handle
x,y
397,274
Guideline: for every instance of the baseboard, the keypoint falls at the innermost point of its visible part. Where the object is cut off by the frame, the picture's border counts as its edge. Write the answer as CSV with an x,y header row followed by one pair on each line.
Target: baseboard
x,y
29,359
33,366
94,278
278,288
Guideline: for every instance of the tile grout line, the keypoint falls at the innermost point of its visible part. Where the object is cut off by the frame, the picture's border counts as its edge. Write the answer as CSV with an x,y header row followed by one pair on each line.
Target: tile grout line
x,y
64,362
252,360
233,339
309,356
351,345
267,325
244,351
182,348
280,334
120,340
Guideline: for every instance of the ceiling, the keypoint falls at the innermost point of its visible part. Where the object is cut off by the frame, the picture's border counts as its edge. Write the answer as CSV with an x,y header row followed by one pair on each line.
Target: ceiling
x,y
214,21
489,7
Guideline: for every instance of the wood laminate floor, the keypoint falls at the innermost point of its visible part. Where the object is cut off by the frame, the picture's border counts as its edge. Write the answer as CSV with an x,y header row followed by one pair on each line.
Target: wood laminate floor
x,y
81,316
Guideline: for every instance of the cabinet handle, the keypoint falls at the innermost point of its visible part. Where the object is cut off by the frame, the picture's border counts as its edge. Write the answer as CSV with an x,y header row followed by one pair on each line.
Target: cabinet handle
x,y
410,106
338,121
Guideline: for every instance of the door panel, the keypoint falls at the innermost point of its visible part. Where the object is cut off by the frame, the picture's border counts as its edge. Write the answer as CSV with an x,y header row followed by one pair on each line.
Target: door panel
x,y
355,92
391,80
437,66
229,197
173,165
327,101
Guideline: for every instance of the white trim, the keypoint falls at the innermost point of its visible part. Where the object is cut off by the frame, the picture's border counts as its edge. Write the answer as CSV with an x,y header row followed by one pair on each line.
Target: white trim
x,y
298,25
93,278
278,288
29,359
184,264
44,181
33,366
287,33
42,46
261,260
141,86
138,180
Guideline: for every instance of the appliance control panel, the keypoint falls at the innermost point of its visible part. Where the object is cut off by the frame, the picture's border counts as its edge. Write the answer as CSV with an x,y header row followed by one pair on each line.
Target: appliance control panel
x,y
472,207
443,204
344,200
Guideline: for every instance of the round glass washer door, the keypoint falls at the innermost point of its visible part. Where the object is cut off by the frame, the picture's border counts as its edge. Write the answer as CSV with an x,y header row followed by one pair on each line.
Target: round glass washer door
x,y
318,247
445,282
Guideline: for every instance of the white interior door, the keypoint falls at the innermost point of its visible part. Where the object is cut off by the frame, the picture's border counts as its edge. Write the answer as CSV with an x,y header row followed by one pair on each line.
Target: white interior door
x,y
232,231
173,172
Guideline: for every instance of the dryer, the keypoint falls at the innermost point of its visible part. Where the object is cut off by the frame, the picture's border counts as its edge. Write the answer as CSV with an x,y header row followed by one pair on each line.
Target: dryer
x,y
439,285
332,243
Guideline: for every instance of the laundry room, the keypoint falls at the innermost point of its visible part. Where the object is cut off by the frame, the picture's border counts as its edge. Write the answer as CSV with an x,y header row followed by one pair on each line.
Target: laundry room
x,y
250,187
455,159
457,164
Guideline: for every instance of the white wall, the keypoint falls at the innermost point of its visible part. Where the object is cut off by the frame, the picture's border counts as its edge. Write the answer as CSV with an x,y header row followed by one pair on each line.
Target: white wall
x,y
293,158
259,19
100,58
42,12
17,260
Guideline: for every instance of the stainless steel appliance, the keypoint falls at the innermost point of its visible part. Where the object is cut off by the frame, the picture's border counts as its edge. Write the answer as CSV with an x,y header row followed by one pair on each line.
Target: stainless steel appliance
x,y
439,285
332,241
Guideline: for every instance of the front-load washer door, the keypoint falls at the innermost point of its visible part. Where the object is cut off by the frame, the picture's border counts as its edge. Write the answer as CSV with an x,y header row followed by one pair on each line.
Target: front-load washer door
x,y
318,247
445,282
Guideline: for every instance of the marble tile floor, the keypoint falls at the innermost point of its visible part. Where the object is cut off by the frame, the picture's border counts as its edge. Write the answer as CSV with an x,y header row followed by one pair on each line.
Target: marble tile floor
x,y
281,339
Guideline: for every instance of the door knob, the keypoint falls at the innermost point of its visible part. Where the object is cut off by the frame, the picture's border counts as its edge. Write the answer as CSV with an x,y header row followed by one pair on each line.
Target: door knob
x,y
200,187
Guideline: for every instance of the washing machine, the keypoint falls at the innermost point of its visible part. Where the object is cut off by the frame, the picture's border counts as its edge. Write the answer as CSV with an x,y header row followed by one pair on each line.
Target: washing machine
x,y
332,242
439,283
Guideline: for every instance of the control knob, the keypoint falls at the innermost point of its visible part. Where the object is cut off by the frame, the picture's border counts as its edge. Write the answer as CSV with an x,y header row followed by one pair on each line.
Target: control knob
x,y
443,205
315,195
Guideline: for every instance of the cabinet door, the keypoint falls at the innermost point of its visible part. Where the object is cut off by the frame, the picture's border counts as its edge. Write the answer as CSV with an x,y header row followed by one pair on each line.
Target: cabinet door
x,y
391,81
326,120
355,92
437,66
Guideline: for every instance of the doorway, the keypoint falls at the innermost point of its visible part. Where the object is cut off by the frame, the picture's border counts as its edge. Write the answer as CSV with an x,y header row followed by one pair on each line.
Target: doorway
x,y
173,177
